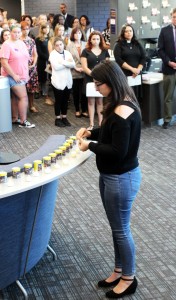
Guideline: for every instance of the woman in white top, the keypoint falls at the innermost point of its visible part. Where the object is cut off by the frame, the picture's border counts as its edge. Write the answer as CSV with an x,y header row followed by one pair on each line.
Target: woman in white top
x,y
61,62
85,26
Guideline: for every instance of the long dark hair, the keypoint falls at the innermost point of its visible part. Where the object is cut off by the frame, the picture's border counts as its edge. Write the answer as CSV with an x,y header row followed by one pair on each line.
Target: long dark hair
x,y
121,36
23,17
2,35
110,73
56,21
85,17
74,30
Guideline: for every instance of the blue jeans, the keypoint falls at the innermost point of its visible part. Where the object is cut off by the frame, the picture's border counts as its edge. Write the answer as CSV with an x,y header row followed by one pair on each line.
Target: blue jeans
x,y
118,193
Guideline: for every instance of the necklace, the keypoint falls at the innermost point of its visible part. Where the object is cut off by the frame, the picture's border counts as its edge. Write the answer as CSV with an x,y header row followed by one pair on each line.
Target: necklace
x,y
129,44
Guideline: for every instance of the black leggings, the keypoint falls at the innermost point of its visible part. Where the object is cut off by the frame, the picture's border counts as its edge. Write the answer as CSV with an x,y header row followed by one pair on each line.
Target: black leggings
x,y
61,100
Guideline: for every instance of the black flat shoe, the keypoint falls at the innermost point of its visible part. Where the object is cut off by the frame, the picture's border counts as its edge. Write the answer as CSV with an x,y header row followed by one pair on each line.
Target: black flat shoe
x,y
104,283
130,290
66,122
59,123
165,125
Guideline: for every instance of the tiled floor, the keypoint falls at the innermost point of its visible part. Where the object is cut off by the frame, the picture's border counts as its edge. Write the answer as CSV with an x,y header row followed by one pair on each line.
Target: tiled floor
x,y
81,235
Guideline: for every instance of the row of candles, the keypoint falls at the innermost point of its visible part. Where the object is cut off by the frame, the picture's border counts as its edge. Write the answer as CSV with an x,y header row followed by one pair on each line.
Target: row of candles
x,y
56,159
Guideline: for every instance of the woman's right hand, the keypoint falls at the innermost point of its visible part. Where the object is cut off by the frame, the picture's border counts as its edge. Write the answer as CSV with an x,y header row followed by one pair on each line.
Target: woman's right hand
x,y
172,64
16,78
79,69
83,132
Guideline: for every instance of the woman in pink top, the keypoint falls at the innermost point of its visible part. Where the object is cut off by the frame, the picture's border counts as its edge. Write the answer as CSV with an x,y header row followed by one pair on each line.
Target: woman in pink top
x,y
14,60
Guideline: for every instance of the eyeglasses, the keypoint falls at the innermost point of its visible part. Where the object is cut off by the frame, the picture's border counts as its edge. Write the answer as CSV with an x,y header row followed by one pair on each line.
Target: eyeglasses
x,y
98,83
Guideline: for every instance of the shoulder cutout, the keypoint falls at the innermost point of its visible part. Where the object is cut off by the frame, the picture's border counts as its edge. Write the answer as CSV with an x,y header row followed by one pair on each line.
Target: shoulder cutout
x,y
123,111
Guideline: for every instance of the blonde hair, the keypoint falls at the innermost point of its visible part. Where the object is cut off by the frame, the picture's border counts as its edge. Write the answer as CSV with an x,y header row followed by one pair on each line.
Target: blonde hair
x,y
34,21
56,29
10,20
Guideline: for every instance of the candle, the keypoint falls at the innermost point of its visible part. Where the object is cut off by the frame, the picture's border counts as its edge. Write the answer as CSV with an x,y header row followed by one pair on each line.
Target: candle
x,y
65,161
73,154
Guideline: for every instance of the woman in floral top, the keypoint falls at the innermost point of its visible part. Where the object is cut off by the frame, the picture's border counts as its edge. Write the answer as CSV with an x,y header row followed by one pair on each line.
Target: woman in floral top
x,y
106,33
32,85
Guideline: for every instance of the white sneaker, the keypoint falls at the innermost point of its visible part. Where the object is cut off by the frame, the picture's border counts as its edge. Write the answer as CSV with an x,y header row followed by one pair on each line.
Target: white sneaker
x,y
26,124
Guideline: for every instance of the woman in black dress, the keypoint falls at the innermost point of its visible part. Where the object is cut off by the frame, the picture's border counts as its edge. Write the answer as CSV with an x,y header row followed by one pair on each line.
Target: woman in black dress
x,y
92,55
43,55
130,55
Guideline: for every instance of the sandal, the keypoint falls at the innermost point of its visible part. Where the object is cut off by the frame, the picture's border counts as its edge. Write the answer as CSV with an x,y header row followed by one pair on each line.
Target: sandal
x,y
77,114
33,109
48,101
85,115
91,127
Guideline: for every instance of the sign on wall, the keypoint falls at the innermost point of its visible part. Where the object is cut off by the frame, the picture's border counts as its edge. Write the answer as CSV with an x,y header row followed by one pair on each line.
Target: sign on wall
x,y
113,16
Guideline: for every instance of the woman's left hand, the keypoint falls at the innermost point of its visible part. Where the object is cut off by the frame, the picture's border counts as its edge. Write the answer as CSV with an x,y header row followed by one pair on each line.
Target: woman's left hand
x,y
31,66
136,72
83,144
139,70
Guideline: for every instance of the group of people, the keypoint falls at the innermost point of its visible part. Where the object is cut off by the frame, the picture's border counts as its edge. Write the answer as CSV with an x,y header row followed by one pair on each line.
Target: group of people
x,y
76,59
79,39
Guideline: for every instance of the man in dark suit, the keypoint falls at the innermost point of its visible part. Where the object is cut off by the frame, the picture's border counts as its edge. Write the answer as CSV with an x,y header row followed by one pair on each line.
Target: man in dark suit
x,y
68,18
167,52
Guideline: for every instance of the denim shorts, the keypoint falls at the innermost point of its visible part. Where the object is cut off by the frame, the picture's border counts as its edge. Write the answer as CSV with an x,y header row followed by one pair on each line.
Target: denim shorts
x,y
12,82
